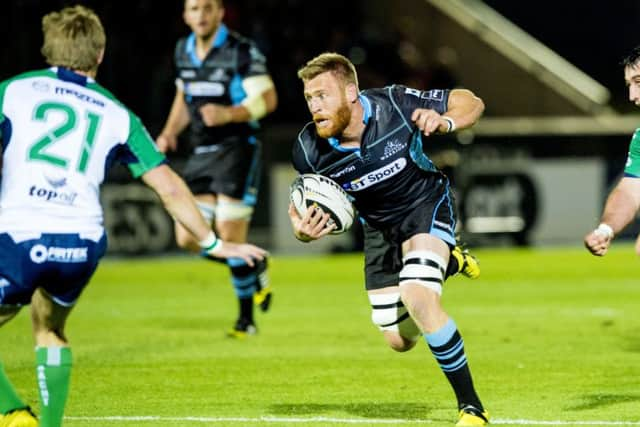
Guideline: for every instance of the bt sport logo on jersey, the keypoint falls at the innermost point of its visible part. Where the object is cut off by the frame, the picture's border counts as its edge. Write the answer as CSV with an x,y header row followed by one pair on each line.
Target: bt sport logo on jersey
x,y
376,176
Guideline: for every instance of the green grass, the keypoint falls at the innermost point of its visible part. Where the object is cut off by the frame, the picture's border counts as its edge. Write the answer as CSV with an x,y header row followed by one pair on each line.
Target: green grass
x,y
551,335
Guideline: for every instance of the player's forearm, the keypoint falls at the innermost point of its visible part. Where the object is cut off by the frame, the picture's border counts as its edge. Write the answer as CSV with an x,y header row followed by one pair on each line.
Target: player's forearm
x,y
464,108
621,207
178,118
177,200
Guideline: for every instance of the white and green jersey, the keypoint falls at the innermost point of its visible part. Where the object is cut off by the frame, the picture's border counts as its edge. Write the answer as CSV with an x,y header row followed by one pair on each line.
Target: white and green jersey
x,y
60,133
632,168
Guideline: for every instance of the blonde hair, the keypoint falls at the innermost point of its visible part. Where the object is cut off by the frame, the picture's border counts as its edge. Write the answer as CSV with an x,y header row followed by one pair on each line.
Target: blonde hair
x,y
73,38
332,62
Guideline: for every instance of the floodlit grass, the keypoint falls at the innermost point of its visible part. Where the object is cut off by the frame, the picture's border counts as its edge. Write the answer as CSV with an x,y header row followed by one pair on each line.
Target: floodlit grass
x,y
551,335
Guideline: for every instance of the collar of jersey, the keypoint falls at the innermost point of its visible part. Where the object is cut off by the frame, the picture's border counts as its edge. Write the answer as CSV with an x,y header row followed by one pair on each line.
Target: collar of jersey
x,y
221,37
366,105
67,75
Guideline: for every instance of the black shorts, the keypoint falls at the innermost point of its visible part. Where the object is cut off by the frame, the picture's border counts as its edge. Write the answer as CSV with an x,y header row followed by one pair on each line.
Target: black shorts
x,y
232,169
383,248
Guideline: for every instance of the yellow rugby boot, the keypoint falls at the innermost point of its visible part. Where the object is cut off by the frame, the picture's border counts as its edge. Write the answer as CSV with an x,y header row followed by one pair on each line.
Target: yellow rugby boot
x,y
468,265
19,418
469,415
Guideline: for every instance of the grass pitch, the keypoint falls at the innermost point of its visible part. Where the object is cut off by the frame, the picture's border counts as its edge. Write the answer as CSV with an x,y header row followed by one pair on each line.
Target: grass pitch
x,y
552,337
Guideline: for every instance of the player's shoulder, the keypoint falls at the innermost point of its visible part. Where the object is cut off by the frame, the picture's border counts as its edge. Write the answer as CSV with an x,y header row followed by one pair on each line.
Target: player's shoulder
x,y
34,74
306,141
305,152
385,94
307,134
236,39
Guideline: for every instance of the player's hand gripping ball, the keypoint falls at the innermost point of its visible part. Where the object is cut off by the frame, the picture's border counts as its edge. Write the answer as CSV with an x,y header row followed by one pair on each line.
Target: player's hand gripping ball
x,y
311,189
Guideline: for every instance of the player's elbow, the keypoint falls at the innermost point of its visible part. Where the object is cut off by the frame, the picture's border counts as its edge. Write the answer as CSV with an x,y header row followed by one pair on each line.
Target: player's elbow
x,y
271,100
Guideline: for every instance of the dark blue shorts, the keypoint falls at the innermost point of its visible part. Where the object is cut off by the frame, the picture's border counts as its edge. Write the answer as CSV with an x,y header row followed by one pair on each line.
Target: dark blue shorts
x,y
61,264
383,248
229,169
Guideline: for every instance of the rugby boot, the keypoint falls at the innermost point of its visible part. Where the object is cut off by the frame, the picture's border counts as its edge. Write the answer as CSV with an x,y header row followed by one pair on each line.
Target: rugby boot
x,y
469,415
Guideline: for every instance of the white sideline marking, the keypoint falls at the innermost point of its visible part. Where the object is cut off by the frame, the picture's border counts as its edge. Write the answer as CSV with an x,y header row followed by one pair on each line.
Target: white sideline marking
x,y
564,423
252,420
345,420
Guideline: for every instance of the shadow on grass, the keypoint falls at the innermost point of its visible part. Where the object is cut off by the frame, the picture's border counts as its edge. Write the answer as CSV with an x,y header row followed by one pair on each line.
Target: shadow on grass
x,y
394,410
594,401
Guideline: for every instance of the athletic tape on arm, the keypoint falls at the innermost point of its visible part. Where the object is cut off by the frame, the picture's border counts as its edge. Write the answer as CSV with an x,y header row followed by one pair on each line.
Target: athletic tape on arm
x,y
254,87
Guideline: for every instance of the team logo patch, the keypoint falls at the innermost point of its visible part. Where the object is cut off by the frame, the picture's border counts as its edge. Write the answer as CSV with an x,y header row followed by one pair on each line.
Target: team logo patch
x,y
41,253
377,176
392,147
218,75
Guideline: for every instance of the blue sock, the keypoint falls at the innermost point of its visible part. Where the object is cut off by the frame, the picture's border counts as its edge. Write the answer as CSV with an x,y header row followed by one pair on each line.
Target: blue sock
x,y
245,283
448,348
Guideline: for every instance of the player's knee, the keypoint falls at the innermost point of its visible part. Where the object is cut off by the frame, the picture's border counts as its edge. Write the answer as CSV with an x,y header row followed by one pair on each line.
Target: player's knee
x,y
390,315
424,268
399,343
8,312
233,211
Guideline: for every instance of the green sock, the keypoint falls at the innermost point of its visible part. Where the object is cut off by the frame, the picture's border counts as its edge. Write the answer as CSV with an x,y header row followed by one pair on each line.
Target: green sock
x,y
53,370
9,399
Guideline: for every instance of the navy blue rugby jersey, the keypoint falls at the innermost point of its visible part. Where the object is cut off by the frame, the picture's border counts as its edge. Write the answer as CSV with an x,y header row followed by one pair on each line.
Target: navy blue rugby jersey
x,y
389,174
217,79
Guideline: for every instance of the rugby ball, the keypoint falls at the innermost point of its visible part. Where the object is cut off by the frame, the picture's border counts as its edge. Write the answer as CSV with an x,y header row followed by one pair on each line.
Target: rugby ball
x,y
311,189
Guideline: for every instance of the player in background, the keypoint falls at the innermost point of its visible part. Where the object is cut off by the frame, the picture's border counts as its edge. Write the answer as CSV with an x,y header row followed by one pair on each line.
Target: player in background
x,y
623,202
223,88
370,143
60,132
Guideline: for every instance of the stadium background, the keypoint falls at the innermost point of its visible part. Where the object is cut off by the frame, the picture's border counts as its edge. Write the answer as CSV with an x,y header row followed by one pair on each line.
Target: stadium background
x,y
138,69
552,333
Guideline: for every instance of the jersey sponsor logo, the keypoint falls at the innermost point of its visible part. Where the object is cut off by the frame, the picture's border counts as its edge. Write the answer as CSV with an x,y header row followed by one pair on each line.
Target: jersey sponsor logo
x,y
40,86
434,94
377,176
187,74
343,171
204,89
53,195
392,147
79,95
40,253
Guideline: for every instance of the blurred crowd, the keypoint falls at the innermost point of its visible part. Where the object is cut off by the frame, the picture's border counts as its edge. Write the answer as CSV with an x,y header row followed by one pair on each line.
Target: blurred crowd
x,y
138,66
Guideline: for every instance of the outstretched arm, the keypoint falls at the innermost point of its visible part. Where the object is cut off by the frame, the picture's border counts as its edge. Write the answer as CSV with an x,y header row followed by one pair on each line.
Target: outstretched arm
x,y
464,109
619,210
179,202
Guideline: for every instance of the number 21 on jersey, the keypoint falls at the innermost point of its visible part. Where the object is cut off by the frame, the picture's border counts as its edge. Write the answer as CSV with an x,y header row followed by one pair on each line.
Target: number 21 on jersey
x,y
38,150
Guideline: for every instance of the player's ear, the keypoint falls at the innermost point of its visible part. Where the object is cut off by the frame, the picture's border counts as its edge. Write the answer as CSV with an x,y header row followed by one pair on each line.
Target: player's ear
x,y
100,57
352,92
